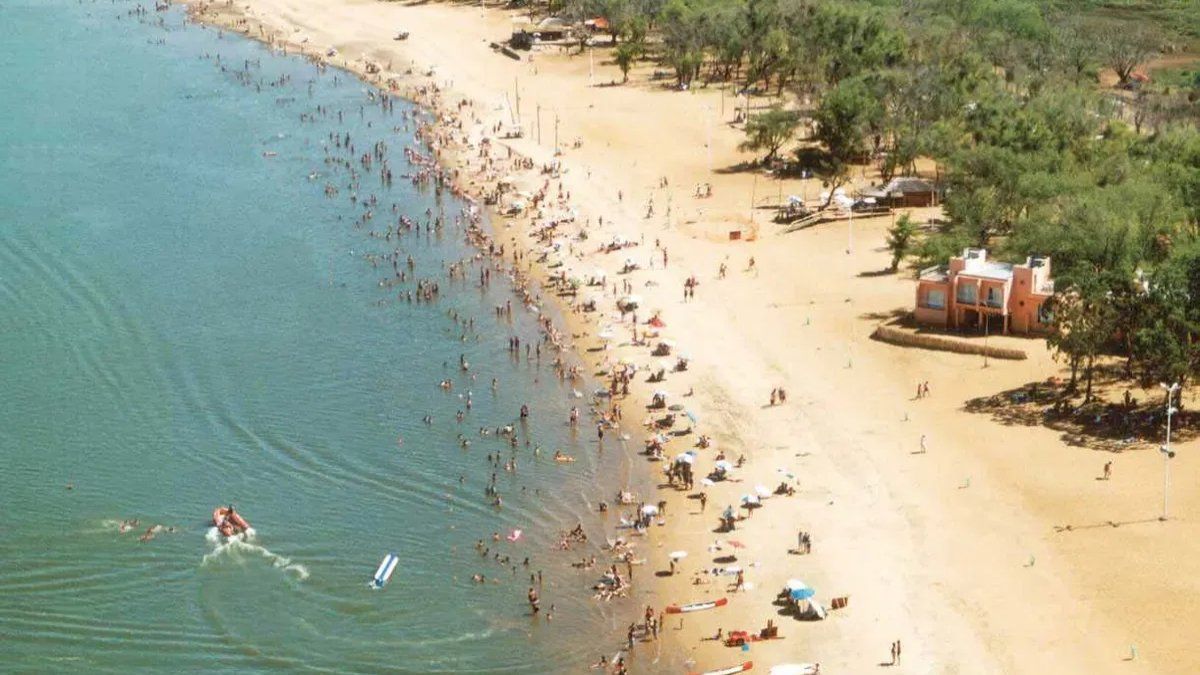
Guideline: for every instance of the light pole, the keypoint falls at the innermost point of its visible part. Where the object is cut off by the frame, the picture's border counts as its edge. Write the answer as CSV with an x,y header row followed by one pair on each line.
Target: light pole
x,y
1166,449
850,229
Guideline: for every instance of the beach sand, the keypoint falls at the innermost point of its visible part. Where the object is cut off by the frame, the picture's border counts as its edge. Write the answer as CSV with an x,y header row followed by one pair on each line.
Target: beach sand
x,y
957,552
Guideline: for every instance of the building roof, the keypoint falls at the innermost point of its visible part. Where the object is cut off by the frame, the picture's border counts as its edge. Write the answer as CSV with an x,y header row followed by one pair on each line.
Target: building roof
x,y
901,185
939,273
988,269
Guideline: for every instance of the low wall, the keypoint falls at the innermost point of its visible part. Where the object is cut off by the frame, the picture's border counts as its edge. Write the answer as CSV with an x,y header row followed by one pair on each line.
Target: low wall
x,y
943,343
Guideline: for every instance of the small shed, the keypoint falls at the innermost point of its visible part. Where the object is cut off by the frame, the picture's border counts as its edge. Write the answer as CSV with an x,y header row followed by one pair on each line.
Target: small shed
x,y
904,191
552,28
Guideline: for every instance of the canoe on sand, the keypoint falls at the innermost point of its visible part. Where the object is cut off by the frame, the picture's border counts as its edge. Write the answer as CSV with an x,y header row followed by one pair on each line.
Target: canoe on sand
x,y
739,668
696,607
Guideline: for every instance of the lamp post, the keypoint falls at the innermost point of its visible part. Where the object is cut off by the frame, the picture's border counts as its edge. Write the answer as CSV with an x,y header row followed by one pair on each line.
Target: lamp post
x,y
1166,449
987,331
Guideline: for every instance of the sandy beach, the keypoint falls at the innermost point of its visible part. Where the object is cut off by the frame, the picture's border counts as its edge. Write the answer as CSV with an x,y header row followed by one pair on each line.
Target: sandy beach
x,y
962,552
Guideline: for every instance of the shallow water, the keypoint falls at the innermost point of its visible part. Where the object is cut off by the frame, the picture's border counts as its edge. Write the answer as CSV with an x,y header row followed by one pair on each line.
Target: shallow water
x,y
186,320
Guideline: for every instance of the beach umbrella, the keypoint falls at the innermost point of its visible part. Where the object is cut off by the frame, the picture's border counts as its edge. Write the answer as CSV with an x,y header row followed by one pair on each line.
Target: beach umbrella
x,y
685,458
677,555
650,510
605,334
794,584
728,513
735,543
733,569
707,481
762,491
662,393
723,465
801,593
750,500
631,300
669,343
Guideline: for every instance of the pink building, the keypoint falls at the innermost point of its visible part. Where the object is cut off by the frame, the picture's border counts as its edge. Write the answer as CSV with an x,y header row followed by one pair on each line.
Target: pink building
x,y
972,289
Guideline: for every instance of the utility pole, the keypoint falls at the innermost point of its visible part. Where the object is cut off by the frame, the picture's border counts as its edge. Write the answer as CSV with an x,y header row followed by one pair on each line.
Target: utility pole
x,y
539,124
987,327
1166,449
517,94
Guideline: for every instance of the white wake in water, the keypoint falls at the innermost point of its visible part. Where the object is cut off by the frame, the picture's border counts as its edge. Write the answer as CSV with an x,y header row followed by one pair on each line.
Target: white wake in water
x,y
242,546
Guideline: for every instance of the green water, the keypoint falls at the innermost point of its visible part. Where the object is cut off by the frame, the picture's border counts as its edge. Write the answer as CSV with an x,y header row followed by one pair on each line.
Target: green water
x,y
187,322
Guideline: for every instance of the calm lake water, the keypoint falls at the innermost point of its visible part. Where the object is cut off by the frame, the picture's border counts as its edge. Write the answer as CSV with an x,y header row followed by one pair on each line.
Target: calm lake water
x,y
187,320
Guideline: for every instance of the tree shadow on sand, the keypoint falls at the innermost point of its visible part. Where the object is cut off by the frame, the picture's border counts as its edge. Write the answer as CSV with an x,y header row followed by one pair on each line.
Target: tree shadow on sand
x,y
1097,425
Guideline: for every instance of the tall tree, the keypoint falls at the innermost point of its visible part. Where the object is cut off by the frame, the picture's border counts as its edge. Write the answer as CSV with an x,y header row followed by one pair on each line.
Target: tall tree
x,y
1124,48
770,131
899,239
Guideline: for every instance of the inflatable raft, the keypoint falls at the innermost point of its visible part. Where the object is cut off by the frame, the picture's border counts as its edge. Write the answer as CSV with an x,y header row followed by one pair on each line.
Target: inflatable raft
x,y
229,522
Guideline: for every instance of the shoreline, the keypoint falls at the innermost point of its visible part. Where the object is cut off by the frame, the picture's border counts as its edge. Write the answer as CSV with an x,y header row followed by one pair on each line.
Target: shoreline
x,y
860,495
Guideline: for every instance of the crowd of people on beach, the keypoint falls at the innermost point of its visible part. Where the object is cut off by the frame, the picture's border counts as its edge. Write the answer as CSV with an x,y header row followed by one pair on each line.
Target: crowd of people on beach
x,y
536,241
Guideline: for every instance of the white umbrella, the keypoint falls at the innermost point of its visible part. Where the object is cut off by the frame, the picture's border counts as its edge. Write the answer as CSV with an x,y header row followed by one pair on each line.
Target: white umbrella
x,y
723,465
650,510
669,343
707,481
676,555
762,491
750,499
685,458
662,393
733,569
631,300
795,585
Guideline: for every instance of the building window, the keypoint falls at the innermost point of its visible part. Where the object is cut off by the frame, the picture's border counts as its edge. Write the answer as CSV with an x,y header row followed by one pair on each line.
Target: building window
x,y
994,297
968,294
935,298
1044,315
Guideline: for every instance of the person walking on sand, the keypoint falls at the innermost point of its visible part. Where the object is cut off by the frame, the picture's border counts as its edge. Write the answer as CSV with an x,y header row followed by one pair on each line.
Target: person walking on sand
x,y
924,447
893,661
897,652
703,501
1108,470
